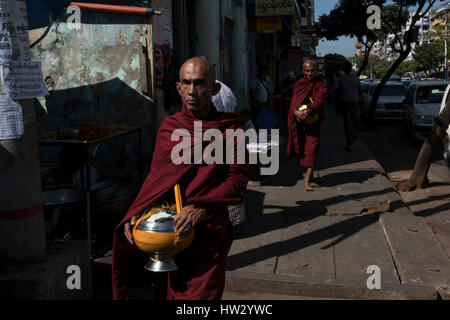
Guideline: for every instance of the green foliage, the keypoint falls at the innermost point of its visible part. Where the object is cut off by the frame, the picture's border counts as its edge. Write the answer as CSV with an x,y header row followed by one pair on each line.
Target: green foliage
x,y
429,55
380,66
349,18
407,66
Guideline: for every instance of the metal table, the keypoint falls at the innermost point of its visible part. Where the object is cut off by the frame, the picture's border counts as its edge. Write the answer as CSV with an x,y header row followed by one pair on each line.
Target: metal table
x,y
85,145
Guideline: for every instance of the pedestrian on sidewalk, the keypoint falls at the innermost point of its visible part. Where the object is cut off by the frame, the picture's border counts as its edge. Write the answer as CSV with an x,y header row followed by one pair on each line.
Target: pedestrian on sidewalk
x,y
225,101
261,91
349,94
304,136
206,190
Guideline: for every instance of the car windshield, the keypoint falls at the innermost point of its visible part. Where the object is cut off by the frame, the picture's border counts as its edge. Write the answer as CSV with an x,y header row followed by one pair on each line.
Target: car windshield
x,y
393,91
430,94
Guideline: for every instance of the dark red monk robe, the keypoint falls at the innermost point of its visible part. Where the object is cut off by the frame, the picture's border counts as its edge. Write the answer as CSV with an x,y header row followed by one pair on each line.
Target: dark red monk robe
x,y
306,143
215,186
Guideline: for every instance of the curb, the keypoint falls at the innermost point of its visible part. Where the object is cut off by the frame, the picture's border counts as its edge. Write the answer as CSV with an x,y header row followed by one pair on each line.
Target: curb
x,y
238,281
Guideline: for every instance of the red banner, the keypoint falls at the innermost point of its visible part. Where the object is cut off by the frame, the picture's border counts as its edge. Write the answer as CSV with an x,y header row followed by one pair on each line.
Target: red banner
x,y
22,213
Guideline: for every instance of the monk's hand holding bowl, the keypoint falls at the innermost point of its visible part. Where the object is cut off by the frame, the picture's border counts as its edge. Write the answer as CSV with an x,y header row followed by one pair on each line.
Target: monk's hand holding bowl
x,y
127,229
189,216
302,114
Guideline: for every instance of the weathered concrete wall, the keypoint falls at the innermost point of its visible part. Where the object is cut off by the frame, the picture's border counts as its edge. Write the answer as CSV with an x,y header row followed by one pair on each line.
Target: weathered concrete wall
x,y
240,56
99,73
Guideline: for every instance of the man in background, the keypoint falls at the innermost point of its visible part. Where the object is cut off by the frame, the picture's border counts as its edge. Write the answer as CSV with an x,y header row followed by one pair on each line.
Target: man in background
x,y
261,90
349,93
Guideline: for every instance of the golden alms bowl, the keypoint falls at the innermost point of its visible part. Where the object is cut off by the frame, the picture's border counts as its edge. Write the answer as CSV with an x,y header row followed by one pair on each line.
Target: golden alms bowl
x,y
313,117
158,239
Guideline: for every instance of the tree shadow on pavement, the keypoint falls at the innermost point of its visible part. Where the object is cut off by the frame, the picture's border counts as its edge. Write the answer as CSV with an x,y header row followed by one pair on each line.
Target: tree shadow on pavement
x,y
341,178
260,224
288,174
430,211
340,231
428,199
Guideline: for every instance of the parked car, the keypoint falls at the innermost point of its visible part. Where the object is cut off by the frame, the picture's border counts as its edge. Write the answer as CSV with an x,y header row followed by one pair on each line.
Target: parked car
x,y
406,81
389,105
421,106
446,151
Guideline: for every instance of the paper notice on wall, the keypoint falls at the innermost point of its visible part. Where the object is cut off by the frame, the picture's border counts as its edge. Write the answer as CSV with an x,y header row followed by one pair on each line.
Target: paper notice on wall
x,y
11,120
5,47
14,21
20,20
22,80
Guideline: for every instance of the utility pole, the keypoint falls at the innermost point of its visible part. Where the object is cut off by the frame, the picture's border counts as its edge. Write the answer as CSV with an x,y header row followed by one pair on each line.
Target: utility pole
x,y
445,6
446,49
22,231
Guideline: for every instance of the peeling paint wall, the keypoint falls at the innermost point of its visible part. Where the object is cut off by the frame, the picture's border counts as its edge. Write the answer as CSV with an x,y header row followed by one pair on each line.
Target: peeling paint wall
x,y
99,73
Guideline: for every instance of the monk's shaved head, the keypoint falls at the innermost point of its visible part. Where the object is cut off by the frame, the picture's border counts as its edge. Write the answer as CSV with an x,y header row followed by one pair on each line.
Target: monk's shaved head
x,y
203,64
197,85
310,63
310,69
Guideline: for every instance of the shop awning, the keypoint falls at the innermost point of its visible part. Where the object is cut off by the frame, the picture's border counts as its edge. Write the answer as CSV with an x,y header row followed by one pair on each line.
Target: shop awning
x,y
39,11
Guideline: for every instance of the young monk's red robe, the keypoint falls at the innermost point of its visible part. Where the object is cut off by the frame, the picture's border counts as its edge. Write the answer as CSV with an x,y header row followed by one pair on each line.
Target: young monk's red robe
x,y
215,186
306,143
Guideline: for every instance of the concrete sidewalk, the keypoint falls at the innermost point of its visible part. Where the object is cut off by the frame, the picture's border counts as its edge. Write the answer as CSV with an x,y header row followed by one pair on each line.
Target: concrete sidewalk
x,y
320,244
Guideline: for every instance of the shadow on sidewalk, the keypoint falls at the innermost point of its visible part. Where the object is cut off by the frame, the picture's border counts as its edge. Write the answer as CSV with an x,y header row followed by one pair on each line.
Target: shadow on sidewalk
x,y
340,231
288,216
428,212
428,199
341,178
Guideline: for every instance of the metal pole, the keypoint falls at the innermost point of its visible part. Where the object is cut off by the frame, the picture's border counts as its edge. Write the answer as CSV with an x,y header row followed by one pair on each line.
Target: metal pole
x,y
446,49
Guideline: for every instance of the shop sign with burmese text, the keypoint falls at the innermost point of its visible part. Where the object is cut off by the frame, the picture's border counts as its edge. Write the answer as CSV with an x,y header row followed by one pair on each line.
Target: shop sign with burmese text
x,y
269,24
274,7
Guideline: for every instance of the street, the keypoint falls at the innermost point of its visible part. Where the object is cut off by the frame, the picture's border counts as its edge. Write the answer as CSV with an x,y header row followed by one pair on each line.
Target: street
x,y
397,154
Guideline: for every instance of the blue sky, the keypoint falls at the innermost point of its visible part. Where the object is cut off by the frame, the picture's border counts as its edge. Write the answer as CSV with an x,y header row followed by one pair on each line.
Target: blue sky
x,y
344,46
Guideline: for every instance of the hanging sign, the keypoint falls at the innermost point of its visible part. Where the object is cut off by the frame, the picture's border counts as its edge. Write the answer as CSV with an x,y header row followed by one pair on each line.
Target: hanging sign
x,y
274,7
269,24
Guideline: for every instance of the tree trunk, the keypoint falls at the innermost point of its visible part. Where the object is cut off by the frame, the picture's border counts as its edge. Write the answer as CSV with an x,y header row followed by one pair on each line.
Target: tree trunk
x,y
419,175
366,59
380,86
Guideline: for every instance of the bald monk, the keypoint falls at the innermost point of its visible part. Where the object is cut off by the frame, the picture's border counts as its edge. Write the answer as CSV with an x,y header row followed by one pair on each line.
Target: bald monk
x,y
207,190
304,141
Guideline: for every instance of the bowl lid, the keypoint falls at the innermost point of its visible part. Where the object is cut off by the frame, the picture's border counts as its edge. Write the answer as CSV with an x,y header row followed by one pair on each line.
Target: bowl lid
x,y
164,225
158,227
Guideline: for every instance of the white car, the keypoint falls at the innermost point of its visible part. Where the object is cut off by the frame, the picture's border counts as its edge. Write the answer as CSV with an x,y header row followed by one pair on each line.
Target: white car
x,y
445,100
421,106
390,101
